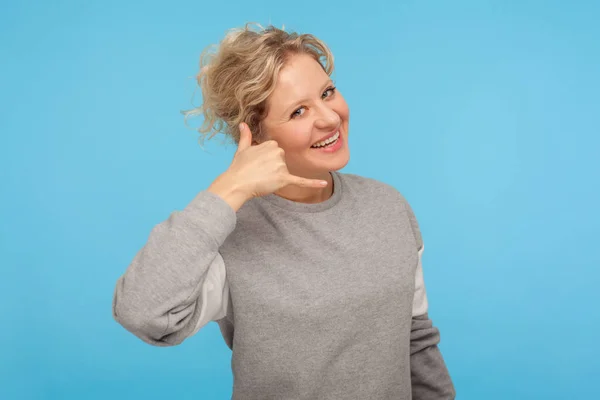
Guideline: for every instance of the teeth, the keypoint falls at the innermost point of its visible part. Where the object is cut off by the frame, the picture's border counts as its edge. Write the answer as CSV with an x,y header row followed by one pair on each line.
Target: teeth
x,y
326,142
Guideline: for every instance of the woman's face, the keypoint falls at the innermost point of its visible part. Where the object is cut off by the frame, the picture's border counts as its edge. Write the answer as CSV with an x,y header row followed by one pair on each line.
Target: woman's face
x,y
304,108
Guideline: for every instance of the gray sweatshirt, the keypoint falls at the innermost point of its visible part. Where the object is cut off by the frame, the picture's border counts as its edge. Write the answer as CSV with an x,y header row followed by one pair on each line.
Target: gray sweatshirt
x,y
316,301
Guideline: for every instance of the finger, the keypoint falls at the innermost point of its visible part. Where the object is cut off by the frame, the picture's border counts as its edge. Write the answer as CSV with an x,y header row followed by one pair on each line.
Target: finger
x,y
304,182
245,137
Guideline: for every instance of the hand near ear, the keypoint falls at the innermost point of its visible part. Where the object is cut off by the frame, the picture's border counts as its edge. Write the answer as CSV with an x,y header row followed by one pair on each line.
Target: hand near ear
x,y
257,170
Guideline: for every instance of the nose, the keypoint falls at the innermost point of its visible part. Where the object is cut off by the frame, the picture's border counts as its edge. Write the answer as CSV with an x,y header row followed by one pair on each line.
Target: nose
x,y
327,118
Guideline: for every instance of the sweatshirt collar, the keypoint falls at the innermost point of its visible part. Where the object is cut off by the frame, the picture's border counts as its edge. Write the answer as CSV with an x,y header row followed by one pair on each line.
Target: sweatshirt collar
x,y
309,207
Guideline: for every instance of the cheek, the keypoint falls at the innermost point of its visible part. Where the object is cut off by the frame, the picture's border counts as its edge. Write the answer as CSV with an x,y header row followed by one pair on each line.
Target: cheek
x,y
297,138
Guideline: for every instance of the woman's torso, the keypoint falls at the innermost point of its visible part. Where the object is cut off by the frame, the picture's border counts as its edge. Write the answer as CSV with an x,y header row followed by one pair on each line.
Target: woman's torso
x,y
321,297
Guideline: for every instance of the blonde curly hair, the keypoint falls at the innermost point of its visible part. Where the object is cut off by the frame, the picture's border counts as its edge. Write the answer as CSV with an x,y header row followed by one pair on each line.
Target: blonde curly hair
x,y
238,76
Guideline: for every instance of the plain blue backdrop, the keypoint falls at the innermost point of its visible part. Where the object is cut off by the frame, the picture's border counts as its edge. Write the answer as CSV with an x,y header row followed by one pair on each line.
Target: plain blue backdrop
x,y
484,114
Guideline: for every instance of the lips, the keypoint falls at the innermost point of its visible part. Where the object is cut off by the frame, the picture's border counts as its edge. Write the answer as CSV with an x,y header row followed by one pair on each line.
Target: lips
x,y
326,137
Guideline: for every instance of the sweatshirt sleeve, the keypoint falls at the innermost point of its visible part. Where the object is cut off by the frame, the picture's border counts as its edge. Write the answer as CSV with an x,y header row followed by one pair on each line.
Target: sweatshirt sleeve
x,y
176,281
430,378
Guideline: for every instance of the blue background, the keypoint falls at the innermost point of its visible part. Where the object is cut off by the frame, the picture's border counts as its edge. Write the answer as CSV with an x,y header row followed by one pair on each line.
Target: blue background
x,y
484,114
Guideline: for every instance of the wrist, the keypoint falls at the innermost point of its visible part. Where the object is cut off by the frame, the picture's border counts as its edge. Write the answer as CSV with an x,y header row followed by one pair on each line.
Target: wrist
x,y
229,191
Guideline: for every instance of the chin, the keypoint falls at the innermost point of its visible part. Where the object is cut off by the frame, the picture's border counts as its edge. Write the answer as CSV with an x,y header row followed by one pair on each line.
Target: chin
x,y
337,164
331,162
341,164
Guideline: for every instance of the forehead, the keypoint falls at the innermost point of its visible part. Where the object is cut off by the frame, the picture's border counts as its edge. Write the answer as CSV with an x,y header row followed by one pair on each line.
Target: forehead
x,y
302,76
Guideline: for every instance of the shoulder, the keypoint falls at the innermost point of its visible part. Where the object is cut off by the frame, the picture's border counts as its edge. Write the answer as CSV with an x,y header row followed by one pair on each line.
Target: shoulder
x,y
370,187
385,197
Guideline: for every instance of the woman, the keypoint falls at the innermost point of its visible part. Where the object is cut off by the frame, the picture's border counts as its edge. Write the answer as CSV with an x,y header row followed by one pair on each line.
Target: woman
x,y
313,275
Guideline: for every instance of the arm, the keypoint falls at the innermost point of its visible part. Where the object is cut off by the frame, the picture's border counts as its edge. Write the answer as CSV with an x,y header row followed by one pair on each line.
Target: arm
x,y
176,282
429,374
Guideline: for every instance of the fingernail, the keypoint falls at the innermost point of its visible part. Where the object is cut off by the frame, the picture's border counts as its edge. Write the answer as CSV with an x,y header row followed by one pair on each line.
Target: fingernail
x,y
323,183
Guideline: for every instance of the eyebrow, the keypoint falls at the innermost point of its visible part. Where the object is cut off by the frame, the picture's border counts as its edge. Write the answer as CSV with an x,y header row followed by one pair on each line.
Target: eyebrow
x,y
293,106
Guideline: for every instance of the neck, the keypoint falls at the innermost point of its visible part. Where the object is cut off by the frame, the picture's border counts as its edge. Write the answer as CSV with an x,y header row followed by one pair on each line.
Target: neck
x,y
308,195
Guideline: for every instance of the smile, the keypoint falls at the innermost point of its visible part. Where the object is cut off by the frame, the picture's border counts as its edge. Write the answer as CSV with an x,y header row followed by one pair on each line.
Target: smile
x,y
327,142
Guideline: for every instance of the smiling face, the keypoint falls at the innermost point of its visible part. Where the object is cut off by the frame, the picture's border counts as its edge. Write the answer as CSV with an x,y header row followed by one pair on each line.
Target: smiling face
x,y
303,109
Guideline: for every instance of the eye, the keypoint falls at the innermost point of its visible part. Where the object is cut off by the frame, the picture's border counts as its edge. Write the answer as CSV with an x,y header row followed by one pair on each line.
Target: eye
x,y
298,112
327,93
330,90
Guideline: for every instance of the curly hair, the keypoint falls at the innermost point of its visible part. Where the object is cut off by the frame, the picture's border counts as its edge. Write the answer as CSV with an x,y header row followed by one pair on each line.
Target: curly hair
x,y
238,76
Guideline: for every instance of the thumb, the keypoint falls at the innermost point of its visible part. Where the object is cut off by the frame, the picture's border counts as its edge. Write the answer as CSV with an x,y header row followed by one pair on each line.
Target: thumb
x,y
245,137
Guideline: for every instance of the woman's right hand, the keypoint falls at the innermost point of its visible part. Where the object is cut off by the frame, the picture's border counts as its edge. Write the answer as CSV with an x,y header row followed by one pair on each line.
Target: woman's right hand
x,y
258,170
